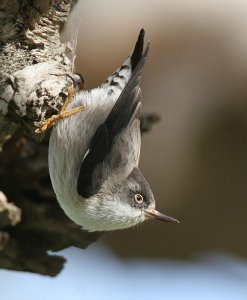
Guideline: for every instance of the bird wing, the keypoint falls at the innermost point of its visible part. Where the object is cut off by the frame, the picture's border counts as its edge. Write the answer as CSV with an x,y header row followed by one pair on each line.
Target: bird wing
x,y
93,169
121,76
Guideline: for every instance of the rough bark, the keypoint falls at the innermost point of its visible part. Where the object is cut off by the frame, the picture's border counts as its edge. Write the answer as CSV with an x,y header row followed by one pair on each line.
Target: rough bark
x,y
34,77
10,215
35,223
35,69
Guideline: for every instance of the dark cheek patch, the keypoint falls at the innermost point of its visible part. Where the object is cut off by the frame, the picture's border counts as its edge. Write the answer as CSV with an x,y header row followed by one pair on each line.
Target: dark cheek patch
x,y
145,190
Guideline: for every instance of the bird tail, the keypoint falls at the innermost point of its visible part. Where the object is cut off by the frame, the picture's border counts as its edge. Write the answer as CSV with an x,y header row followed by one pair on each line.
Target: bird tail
x,y
123,74
138,50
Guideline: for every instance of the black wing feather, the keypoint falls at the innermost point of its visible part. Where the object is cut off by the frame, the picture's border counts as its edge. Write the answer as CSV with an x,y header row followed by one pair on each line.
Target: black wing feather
x,y
137,53
104,137
100,146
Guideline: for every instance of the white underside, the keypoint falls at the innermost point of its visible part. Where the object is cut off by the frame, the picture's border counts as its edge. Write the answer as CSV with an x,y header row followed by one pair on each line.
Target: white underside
x,y
69,143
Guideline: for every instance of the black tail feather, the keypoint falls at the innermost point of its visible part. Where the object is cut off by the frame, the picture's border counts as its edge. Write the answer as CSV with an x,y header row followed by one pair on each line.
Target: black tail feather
x,y
137,53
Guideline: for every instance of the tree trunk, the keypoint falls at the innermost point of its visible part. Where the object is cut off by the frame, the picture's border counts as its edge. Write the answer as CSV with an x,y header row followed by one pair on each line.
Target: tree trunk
x,y
35,75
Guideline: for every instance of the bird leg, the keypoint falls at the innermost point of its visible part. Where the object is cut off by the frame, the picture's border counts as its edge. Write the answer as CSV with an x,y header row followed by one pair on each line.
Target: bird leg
x,y
46,124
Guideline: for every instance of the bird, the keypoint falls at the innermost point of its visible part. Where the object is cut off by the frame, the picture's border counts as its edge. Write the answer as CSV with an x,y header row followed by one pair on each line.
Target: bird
x,y
94,152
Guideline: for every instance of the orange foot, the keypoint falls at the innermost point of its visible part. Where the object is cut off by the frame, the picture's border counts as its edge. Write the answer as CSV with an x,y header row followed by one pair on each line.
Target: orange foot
x,y
46,124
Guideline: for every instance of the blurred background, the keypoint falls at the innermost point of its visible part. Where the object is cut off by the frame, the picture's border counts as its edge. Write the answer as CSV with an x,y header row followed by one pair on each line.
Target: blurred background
x,y
195,158
195,79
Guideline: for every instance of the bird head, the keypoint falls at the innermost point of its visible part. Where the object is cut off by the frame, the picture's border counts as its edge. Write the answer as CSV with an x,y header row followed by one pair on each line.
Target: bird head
x,y
126,204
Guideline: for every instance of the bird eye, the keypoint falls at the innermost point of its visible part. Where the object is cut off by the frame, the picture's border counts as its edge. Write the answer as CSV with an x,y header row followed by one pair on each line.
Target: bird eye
x,y
138,198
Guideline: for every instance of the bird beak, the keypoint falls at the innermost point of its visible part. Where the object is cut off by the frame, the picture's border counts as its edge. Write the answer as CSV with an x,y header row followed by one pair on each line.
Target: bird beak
x,y
159,216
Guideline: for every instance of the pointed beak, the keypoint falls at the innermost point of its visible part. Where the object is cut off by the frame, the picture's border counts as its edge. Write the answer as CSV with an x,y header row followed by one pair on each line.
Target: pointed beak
x,y
159,216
